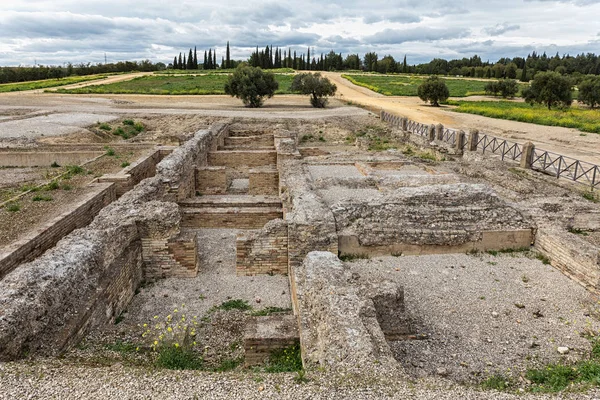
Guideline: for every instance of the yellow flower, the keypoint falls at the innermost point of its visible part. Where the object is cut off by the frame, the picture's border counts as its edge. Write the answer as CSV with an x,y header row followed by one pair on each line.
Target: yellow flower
x,y
156,316
170,329
176,344
155,342
145,325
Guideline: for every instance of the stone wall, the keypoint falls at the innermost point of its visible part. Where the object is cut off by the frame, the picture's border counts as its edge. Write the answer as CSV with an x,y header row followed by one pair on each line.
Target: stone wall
x,y
76,216
170,257
263,181
45,159
264,251
572,255
264,335
249,141
233,217
90,276
211,180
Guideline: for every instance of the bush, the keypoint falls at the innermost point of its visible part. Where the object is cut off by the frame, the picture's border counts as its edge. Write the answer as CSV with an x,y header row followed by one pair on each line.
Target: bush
x,y
179,358
589,91
251,85
433,90
315,85
550,89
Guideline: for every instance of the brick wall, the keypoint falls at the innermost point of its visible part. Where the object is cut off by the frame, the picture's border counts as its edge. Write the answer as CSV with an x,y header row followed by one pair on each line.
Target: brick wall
x,y
250,141
264,251
169,258
236,158
211,180
78,215
263,335
144,167
572,255
237,218
263,181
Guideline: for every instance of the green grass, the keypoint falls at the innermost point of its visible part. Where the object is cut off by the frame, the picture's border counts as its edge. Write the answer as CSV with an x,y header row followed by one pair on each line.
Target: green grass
x,y
269,310
47,83
236,304
178,358
406,85
285,360
574,117
173,85
13,207
229,364
42,197
496,382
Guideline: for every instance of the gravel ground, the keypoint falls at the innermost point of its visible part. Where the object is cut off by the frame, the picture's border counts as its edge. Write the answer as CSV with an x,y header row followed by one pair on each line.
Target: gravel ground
x,y
485,314
51,379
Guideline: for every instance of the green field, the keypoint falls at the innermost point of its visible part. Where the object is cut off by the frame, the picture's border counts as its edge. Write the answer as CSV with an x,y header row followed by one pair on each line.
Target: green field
x,y
47,83
172,85
406,85
584,119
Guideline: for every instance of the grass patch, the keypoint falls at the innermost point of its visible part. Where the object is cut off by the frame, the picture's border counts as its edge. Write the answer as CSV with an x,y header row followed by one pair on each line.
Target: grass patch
x,y
105,127
42,197
496,382
591,196
584,119
13,207
229,364
54,165
110,151
178,358
47,83
121,347
407,85
236,304
52,186
577,231
269,310
545,260
287,359
173,85
75,170
352,257
125,164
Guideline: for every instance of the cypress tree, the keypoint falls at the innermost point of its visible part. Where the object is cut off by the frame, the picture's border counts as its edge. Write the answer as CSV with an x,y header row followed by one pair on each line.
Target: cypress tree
x,y
190,61
174,62
180,63
195,59
184,65
524,77
227,57
257,60
404,65
210,59
215,59
308,59
205,63
295,62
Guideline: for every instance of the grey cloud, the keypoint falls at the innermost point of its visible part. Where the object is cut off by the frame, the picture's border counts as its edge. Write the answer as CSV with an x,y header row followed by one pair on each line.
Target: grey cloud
x,y
398,36
499,29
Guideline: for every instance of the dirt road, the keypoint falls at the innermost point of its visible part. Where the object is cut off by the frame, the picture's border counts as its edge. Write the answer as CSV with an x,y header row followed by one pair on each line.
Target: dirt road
x,y
566,141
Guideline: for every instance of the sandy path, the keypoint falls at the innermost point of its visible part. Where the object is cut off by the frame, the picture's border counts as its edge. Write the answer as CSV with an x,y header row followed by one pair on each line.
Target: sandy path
x,y
566,141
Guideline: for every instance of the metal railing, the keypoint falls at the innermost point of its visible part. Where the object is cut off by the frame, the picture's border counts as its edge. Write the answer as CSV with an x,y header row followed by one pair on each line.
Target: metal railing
x,y
544,161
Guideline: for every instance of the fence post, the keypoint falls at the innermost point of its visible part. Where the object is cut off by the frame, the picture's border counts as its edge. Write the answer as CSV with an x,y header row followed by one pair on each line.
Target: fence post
x,y
473,139
382,115
439,131
431,132
527,155
460,141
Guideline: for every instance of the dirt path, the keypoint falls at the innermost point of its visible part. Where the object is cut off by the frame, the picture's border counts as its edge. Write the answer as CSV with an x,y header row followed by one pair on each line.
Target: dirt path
x,y
566,141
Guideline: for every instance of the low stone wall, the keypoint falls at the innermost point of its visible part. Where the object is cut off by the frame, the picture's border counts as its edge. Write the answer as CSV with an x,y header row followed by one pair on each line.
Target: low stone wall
x,y
237,158
572,255
78,215
338,319
46,159
264,335
250,141
168,258
263,181
233,217
211,180
264,251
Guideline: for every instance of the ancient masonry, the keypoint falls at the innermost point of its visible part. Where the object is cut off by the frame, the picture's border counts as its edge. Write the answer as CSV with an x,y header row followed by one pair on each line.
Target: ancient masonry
x,y
297,214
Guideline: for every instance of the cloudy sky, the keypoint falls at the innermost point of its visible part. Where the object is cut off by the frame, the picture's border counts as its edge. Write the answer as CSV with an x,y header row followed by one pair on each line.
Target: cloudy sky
x,y
60,31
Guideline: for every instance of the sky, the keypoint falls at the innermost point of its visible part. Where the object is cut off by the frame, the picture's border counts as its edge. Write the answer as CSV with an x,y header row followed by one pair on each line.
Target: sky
x,y
55,32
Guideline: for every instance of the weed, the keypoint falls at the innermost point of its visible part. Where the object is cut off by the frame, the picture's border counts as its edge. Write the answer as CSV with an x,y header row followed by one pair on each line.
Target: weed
x,y
128,122
228,364
29,188
66,187
301,377
481,297
120,317
52,186
105,127
125,164
41,197
396,254
496,382
552,378
75,170
138,127
13,207
525,278
591,197
352,257
307,138
110,151
287,359
321,139
429,156
408,151
577,231
178,358
545,260
492,252
121,347
54,165
236,304
270,310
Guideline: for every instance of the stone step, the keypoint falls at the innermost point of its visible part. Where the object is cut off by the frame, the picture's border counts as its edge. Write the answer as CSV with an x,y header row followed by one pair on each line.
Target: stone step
x,y
226,201
229,217
236,147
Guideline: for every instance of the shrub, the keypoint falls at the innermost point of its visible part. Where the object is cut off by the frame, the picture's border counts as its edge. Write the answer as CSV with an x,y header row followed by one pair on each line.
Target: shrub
x,y
13,207
319,87
251,85
105,127
433,90
54,165
52,186
110,151
550,89
507,88
178,358
128,122
41,197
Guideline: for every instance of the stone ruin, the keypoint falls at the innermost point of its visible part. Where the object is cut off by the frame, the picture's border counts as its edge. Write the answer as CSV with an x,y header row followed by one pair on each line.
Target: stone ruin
x,y
298,214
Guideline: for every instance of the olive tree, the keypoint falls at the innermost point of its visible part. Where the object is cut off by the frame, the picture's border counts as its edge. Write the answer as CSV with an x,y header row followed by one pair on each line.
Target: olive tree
x,y
550,89
589,91
316,85
433,90
506,88
251,84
